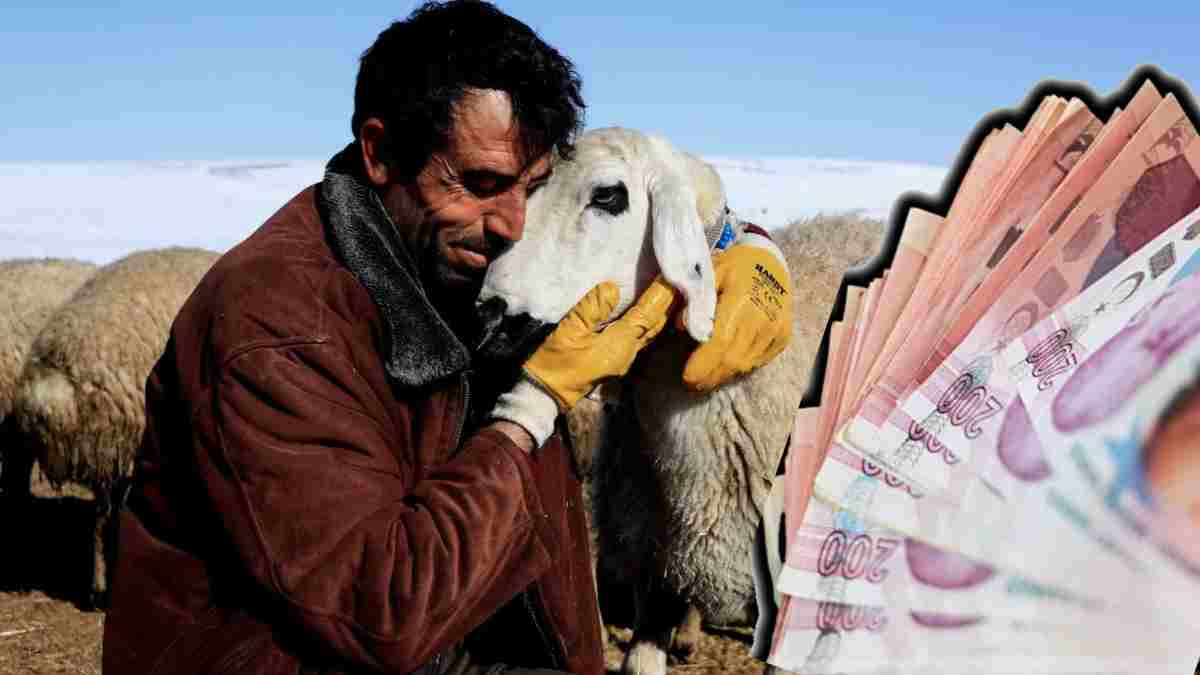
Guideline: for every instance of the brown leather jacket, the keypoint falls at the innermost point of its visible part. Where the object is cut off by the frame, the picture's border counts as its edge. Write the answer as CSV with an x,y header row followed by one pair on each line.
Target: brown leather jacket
x,y
305,499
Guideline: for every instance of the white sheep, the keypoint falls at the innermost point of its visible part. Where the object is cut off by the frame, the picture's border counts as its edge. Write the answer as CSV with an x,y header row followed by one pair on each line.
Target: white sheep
x,y
678,478
79,406
30,290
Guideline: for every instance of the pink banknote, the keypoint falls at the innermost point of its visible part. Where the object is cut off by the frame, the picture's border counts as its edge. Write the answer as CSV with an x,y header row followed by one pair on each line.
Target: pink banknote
x,y
1117,132
1115,405
994,503
994,506
826,638
835,557
877,431
971,519
957,412
949,234
858,360
803,458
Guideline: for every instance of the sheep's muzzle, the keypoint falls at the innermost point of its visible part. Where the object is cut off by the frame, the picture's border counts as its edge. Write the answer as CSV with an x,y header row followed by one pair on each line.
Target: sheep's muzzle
x,y
506,342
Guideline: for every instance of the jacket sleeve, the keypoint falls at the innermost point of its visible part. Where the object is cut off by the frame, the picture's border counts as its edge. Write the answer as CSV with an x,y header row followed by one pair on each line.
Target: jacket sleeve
x,y
298,470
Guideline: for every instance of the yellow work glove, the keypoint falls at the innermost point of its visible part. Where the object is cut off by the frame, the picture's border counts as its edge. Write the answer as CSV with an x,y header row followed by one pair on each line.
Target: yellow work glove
x,y
577,356
753,321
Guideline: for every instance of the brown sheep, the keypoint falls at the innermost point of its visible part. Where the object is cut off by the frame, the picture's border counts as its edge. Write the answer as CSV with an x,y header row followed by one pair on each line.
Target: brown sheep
x,y
79,406
30,290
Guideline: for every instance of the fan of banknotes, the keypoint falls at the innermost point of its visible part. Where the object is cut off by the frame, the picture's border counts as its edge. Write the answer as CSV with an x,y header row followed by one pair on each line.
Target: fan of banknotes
x,y
1003,474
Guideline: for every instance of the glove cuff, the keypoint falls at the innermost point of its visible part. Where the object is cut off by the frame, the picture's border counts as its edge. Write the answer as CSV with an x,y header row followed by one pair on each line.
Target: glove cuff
x,y
529,406
751,238
737,231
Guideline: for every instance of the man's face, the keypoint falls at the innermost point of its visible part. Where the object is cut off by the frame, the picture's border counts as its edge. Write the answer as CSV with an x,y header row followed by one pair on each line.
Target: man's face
x,y
467,205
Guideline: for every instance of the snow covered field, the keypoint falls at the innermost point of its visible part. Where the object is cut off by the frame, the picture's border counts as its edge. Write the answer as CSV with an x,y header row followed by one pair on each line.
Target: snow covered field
x,y
100,211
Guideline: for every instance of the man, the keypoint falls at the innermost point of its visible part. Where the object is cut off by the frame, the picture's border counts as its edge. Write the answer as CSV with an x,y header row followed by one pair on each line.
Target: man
x,y
318,490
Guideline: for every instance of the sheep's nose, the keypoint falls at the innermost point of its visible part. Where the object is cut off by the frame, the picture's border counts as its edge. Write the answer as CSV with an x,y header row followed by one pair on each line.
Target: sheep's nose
x,y
491,310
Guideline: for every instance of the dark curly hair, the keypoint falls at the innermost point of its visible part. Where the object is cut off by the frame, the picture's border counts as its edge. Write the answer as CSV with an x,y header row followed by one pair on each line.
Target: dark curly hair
x,y
419,68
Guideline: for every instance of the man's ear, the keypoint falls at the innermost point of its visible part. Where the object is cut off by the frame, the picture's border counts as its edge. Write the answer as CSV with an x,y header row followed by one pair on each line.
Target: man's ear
x,y
371,139
679,194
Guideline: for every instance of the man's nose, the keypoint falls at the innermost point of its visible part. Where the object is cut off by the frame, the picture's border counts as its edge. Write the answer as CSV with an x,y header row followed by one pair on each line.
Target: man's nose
x,y
509,220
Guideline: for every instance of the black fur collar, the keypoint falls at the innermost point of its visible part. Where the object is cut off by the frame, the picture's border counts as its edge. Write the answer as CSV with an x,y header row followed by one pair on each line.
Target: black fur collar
x,y
423,348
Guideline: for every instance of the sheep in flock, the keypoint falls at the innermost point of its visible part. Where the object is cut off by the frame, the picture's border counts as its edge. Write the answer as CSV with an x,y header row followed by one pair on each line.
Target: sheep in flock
x,y
678,479
30,289
79,406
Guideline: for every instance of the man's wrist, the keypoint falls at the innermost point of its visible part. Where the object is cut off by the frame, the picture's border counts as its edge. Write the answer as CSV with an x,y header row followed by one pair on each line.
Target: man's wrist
x,y
530,407
516,433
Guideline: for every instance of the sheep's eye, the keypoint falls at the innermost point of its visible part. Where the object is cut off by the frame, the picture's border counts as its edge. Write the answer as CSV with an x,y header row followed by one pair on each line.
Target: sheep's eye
x,y
612,199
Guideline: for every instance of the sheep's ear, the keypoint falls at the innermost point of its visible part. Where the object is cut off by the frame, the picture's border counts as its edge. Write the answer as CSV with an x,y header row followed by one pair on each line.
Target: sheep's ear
x,y
683,191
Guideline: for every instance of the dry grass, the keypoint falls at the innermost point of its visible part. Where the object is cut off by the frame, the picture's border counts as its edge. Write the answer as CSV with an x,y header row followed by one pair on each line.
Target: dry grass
x,y
43,578
718,653
40,635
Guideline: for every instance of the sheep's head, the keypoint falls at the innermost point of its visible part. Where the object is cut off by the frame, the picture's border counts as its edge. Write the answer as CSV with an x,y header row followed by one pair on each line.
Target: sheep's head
x,y
625,207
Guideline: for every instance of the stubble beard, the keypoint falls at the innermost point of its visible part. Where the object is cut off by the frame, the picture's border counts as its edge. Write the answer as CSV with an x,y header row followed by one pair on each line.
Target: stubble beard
x,y
451,293
499,345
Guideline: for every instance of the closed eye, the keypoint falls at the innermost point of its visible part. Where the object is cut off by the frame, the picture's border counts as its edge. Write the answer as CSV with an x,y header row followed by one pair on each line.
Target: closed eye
x,y
483,183
612,199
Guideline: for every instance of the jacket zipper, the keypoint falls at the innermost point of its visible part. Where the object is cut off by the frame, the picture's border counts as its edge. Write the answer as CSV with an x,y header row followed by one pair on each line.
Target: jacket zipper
x,y
435,665
556,660
530,605
462,418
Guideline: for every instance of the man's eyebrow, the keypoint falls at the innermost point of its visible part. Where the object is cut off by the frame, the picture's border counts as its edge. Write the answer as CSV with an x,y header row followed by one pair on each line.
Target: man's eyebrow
x,y
501,175
488,172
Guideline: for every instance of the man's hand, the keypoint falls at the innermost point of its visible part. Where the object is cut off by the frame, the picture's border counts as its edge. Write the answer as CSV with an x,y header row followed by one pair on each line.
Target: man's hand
x,y
577,356
516,433
753,318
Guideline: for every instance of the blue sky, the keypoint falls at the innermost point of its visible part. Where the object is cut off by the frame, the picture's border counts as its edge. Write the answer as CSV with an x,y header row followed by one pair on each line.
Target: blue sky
x,y
234,80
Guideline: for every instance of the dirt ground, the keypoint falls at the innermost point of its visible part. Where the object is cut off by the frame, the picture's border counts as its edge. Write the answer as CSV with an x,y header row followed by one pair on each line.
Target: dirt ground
x,y
45,629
